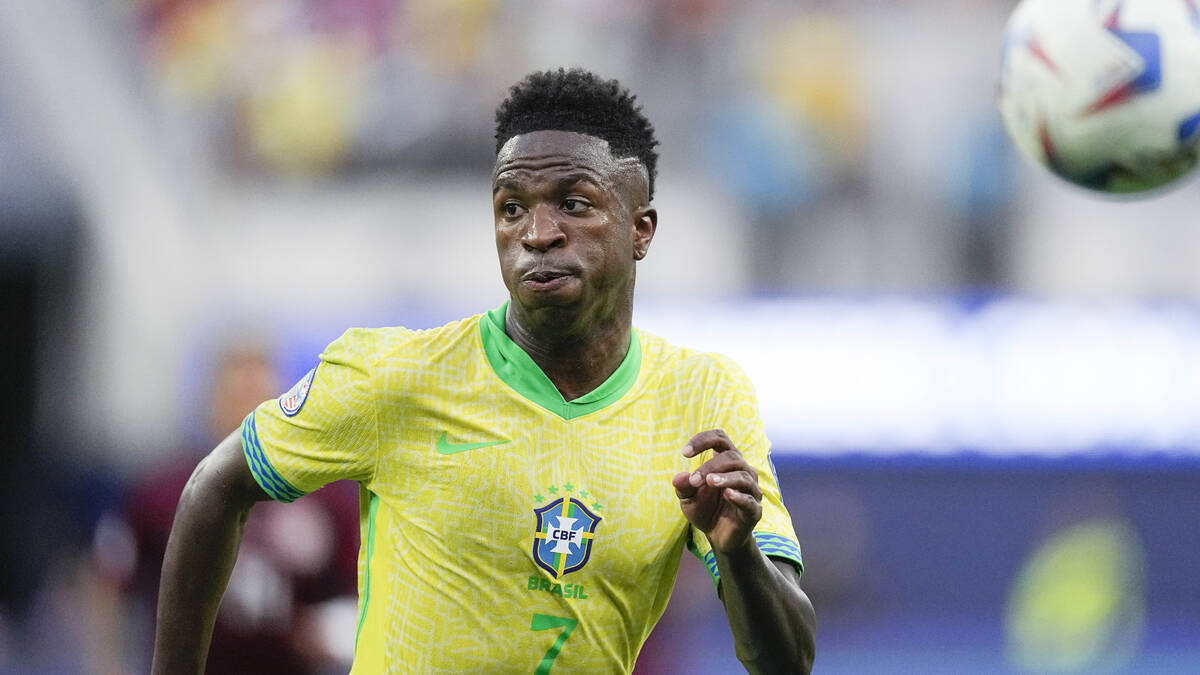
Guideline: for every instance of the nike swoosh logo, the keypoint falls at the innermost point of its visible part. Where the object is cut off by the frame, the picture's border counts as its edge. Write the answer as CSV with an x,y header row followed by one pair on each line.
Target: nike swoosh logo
x,y
445,447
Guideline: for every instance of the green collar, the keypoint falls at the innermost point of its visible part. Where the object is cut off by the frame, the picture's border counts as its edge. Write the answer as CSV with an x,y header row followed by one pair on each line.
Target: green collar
x,y
520,372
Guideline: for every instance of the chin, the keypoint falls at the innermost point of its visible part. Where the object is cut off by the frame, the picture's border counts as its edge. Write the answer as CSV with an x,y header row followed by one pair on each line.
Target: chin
x,y
547,301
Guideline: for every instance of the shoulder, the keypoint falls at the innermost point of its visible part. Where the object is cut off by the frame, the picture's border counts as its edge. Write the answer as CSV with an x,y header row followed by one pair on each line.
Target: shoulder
x,y
665,359
372,346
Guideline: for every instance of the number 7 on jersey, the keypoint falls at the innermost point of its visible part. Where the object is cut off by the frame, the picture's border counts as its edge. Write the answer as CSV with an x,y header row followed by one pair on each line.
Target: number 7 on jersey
x,y
546,622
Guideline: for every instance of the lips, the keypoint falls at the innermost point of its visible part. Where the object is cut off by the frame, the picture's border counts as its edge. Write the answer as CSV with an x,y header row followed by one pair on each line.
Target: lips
x,y
542,276
544,279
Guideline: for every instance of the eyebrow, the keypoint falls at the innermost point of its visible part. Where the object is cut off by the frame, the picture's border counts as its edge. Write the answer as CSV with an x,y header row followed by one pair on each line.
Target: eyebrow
x,y
506,184
569,180
576,177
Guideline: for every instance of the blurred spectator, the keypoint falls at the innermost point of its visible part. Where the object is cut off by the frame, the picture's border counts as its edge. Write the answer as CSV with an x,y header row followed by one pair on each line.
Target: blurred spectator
x,y
790,139
291,603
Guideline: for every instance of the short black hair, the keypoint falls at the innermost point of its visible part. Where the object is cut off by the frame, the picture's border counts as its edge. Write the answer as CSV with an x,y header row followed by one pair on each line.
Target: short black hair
x,y
580,101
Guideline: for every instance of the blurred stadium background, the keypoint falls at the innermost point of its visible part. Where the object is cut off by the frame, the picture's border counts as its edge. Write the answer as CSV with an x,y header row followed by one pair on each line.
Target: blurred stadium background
x,y
983,385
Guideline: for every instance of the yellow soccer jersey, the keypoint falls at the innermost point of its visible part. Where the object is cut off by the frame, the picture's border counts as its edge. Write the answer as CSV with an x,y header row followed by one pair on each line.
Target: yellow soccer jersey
x,y
505,530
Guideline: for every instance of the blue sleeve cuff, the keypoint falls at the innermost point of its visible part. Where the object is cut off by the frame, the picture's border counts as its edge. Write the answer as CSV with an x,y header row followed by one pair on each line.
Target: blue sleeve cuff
x,y
268,478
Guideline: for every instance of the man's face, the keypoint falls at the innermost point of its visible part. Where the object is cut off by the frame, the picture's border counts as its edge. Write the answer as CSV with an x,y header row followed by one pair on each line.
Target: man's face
x,y
244,378
571,220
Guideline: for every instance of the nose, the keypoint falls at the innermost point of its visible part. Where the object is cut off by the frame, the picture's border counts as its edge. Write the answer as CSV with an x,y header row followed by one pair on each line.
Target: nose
x,y
543,232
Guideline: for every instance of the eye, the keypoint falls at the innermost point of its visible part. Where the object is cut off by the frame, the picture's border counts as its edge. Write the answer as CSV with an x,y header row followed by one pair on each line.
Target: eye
x,y
512,209
575,205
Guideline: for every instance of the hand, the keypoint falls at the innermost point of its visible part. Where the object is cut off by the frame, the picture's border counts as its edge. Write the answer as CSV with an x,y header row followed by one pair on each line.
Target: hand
x,y
721,498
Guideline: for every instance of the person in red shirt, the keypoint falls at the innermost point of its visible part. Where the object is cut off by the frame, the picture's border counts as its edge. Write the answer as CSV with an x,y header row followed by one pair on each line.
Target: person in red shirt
x,y
293,586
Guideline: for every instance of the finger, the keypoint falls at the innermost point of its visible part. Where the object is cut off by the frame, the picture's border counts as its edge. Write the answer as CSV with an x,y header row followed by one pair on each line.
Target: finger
x,y
745,502
726,462
741,481
712,439
683,487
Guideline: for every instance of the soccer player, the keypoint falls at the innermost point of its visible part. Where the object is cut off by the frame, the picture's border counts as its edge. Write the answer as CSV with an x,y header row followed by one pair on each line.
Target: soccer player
x,y
530,475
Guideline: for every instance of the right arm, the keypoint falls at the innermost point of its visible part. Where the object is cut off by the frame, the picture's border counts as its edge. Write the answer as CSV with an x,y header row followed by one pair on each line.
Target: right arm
x,y
200,555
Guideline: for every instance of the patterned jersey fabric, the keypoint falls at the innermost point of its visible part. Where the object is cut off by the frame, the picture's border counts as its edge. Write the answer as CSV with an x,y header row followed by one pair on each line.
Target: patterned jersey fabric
x,y
503,528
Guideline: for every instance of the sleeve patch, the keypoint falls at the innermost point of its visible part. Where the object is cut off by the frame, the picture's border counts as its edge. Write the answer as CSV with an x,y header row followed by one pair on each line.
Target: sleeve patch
x,y
292,401
267,477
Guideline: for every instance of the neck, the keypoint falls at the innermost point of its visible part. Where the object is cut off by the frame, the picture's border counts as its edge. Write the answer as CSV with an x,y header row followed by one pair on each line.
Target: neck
x,y
578,352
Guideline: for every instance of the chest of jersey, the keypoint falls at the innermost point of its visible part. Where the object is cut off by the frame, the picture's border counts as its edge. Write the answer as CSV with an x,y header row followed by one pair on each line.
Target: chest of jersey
x,y
498,511
513,489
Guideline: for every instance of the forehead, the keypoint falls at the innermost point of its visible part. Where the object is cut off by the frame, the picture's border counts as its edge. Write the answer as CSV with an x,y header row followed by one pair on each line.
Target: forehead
x,y
553,151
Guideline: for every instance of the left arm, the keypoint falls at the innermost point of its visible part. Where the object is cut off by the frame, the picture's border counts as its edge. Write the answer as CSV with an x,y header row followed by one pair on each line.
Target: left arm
x,y
771,618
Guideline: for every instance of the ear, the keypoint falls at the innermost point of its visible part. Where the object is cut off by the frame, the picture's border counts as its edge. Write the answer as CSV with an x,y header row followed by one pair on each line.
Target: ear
x,y
645,222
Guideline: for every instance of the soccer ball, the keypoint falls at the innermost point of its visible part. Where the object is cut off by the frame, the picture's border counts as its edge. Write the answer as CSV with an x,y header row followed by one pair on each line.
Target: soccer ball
x,y
1105,93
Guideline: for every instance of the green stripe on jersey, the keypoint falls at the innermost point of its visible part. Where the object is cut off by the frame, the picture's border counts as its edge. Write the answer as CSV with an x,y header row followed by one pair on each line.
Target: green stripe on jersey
x,y
372,509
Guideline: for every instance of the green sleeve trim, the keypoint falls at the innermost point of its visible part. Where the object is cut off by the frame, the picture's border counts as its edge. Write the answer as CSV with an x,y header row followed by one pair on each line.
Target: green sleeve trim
x,y
520,372
372,509
709,560
780,547
771,545
275,485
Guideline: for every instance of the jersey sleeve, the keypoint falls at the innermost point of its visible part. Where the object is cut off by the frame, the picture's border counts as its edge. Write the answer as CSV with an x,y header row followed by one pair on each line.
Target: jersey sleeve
x,y
734,408
324,429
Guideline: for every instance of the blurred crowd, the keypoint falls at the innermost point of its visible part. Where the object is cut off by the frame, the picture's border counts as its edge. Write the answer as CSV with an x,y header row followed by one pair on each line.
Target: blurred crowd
x,y
291,603
816,121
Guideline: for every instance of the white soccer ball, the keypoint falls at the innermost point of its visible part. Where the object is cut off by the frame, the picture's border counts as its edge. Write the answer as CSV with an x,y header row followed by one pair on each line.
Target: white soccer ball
x,y
1105,93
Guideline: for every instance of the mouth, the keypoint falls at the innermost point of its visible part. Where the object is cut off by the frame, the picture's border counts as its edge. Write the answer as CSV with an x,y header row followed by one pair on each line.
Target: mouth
x,y
542,276
546,279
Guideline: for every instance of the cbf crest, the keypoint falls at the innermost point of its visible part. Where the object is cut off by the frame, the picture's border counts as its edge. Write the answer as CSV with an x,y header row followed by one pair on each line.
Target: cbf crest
x,y
565,531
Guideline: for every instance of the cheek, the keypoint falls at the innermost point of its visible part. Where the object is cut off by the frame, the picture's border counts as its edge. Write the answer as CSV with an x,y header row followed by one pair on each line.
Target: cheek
x,y
615,246
504,248
505,236
619,237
